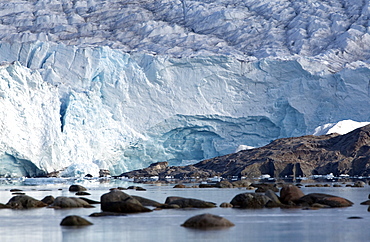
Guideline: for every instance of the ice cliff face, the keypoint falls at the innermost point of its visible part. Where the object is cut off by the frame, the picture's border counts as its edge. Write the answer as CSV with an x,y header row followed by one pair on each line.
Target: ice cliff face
x,y
122,84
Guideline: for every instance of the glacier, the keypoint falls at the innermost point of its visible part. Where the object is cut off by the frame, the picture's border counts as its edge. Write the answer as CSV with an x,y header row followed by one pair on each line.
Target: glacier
x,y
89,85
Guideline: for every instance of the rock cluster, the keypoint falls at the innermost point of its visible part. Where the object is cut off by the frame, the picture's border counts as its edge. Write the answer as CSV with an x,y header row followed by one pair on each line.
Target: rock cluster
x,y
290,196
118,203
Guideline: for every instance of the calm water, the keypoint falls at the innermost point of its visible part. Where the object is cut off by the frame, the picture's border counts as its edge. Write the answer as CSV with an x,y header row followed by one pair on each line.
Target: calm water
x,y
164,225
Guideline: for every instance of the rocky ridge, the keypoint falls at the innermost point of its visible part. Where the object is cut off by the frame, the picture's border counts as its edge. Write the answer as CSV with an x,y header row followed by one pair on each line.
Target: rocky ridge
x,y
287,157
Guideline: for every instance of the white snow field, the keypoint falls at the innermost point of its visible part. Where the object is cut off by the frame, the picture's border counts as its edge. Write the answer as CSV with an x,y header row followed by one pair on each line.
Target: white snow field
x,y
89,85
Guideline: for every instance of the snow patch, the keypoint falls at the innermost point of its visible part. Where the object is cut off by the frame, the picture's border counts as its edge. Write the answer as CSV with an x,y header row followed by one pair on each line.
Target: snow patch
x,y
341,127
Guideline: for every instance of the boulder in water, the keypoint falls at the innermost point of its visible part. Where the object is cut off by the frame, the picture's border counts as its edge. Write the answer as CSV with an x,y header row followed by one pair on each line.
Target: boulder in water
x,y
74,220
207,220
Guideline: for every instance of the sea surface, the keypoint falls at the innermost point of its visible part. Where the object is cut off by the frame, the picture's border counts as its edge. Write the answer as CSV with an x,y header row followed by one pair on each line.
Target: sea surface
x,y
269,224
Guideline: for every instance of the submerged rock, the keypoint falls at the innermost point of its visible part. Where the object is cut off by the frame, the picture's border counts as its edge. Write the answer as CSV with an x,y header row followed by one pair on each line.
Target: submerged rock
x,y
4,206
70,202
136,188
207,220
226,205
180,202
147,202
74,220
179,186
366,202
105,214
82,194
89,200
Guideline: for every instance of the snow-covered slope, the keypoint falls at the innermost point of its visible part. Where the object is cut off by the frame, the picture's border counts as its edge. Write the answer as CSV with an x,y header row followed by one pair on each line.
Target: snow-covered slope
x,y
122,84
342,127
333,31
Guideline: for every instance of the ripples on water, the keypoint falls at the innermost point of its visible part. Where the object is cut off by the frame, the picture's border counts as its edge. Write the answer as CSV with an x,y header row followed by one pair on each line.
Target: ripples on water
x,y
164,225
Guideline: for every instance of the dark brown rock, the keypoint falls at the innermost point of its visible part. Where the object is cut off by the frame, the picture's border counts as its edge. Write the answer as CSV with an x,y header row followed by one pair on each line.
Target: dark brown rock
x,y
207,221
147,202
120,202
241,183
290,193
275,200
48,200
15,190
70,202
82,194
77,188
250,200
325,199
105,214
171,199
25,202
74,220
89,201
190,203
18,193
226,205
366,202
179,186
137,188
207,185
263,187
224,184
359,184
4,206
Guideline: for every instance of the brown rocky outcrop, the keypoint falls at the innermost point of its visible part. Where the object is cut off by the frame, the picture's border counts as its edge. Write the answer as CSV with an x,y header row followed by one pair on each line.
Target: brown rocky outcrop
x,y
286,157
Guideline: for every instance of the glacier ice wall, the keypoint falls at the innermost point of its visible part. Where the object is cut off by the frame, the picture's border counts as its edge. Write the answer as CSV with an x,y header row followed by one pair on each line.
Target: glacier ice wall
x,y
120,84
105,108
